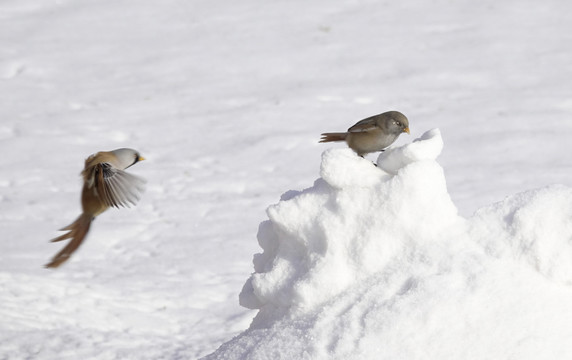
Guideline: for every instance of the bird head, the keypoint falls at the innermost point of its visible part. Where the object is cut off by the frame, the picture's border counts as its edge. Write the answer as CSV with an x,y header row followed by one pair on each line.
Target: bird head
x,y
127,157
396,122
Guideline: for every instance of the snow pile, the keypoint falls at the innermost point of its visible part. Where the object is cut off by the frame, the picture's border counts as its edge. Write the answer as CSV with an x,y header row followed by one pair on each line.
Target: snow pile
x,y
355,222
534,227
375,262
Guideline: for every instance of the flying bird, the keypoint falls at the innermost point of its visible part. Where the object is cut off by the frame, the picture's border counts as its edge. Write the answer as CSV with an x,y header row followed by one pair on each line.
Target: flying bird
x,y
372,134
105,184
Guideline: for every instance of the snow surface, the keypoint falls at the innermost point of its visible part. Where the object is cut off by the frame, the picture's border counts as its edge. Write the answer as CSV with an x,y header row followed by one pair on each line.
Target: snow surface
x,y
226,100
368,265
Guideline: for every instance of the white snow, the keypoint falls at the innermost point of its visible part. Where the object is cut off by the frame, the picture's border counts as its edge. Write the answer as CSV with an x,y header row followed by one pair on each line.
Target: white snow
x,y
386,268
226,100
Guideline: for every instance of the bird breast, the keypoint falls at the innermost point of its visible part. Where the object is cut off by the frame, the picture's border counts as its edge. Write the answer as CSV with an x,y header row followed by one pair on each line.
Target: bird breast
x,y
370,141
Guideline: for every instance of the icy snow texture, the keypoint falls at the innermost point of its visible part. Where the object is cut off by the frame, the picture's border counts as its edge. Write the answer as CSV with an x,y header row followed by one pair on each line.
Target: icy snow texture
x,y
368,265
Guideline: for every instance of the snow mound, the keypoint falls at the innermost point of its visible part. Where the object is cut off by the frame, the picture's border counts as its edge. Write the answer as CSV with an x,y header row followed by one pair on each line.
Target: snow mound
x,y
534,227
354,222
375,262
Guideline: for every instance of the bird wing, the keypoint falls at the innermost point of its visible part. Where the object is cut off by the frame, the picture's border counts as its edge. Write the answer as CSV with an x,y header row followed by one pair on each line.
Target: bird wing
x,y
363,125
117,187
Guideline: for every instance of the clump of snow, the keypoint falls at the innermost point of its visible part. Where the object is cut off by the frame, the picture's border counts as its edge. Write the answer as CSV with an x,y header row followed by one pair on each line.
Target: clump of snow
x,y
427,147
375,262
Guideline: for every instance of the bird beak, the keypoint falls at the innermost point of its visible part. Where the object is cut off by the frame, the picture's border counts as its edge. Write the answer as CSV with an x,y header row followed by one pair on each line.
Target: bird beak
x,y
406,130
141,158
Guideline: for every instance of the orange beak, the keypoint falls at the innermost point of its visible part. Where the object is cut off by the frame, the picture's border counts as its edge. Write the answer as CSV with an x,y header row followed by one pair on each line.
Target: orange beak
x,y
406,130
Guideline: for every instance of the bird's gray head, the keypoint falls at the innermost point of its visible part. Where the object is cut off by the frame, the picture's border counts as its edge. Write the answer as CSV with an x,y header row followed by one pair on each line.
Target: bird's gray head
x,y
127,157
394,122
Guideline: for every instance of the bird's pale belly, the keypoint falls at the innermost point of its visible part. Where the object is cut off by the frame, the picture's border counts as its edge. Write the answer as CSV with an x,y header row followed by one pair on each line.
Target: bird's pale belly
x,y
366,142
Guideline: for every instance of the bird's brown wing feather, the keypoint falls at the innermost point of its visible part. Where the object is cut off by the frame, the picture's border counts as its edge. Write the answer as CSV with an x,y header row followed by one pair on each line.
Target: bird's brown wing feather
x,y
363,125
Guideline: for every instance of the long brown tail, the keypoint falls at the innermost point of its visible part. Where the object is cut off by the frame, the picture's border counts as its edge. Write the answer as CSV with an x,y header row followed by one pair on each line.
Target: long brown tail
x,y
327,137
76,232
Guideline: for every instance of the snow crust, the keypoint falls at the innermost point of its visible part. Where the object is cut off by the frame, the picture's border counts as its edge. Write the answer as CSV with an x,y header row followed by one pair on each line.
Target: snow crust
x,y
376,263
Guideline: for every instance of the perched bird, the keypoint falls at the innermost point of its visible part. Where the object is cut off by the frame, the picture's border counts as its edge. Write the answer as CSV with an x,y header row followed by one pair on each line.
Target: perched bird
x,y
105,184
372,134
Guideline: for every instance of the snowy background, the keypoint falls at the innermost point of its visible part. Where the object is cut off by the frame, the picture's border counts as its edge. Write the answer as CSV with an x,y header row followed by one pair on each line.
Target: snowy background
x,y
226,100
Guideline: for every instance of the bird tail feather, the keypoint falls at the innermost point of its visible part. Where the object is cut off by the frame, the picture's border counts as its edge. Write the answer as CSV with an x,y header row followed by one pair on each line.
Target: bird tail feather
x,y
328,137
76,231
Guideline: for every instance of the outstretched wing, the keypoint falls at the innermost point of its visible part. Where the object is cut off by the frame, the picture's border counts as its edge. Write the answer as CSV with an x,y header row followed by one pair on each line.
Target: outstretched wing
x,y
116,187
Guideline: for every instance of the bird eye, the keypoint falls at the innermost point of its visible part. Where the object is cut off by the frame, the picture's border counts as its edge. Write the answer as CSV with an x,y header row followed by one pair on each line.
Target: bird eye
x,y
397,123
